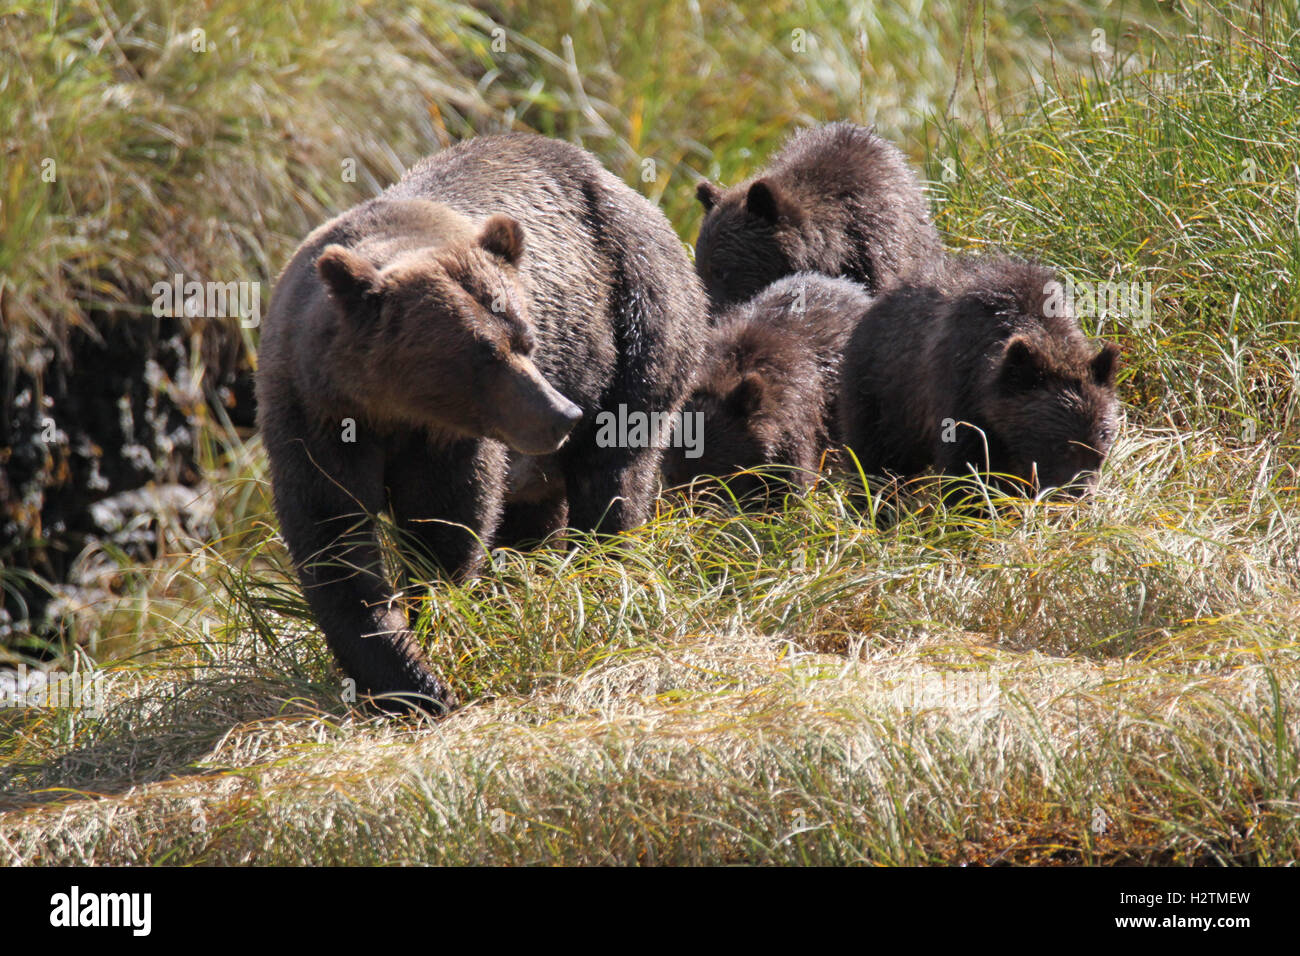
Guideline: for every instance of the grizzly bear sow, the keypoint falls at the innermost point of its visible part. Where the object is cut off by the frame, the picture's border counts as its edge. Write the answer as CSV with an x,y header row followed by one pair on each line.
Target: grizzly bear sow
x,y
838,200
767,389
983,368
442,351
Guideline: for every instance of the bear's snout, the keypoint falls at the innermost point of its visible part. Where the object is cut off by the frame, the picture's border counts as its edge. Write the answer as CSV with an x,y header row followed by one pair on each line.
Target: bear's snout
x,y
535,418
567,417
1066,483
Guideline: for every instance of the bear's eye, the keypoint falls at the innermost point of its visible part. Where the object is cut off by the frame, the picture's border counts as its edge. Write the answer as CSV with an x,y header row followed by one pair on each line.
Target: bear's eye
x,y
489,351
524,342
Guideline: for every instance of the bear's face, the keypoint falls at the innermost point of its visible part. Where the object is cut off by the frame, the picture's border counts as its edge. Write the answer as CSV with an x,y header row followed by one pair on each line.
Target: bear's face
x,y
738,434
441,337
750,237
1053,419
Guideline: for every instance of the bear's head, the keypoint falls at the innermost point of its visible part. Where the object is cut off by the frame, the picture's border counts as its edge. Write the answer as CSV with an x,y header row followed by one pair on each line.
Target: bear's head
x,y
440,337
749,397
1047,396
751,236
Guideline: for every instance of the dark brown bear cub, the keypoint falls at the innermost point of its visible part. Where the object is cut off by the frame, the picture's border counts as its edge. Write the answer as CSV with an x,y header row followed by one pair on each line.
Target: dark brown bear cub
x,y
983,369
442,351
767,390
838,200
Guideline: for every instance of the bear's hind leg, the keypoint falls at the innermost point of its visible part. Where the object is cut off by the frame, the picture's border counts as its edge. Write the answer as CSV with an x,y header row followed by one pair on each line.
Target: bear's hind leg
x,y
528,523
612,489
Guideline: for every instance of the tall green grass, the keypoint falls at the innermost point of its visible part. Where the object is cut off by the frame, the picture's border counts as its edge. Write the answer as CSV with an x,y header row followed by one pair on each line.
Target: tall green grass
x,y
213,153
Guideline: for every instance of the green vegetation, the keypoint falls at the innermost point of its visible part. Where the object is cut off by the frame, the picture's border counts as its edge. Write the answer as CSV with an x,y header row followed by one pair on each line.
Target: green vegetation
x,y
1111,681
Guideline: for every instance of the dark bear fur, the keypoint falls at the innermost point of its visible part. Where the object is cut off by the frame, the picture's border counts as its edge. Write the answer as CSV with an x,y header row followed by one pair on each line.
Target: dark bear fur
x,y
468,319
768,386
974,357
838,200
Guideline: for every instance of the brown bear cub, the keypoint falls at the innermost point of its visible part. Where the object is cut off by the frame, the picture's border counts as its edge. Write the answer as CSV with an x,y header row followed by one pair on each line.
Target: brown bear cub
x,y
767,391
982,369
442,351
838,200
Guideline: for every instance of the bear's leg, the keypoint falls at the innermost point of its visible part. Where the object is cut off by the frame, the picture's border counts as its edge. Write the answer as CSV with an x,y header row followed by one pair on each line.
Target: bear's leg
x,y
446,501
325,498
529,523
611,489
659,317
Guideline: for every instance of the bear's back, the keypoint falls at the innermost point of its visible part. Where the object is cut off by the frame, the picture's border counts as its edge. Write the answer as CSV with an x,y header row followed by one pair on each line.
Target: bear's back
x,y
578,218
593,246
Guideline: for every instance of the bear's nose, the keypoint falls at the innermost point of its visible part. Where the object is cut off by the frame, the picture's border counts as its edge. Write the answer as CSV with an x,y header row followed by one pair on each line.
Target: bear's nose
x,y
573,414
1068,486
567,417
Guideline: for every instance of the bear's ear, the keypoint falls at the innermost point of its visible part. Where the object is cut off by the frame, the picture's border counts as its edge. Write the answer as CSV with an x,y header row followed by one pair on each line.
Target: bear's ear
x,y
746,399
504,237
350,277
767,203
1020,368
1104,365
707,193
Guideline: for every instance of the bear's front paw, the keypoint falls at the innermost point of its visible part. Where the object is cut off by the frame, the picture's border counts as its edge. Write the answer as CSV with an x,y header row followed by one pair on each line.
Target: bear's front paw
x,y
434,698
441,701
